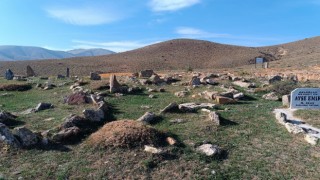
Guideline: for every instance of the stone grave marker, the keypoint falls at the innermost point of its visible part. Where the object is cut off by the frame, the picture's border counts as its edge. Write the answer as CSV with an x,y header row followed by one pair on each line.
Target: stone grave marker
x,y
305,98
9,74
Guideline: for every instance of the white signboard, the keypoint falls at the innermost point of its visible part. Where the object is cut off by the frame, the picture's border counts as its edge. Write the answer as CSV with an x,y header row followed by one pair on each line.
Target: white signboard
x,y
259,60
305,98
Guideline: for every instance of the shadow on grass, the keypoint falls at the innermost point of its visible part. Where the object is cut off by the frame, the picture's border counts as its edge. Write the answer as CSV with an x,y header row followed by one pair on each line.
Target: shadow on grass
x,y
226,122
13,123
112,111
52,146
248,98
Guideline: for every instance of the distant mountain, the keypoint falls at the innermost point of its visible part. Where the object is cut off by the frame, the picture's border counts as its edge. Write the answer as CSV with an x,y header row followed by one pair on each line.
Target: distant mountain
x,y
14,53
90,52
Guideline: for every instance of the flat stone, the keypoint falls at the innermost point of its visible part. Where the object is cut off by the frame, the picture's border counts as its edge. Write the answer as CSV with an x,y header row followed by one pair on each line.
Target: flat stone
x,y
7,137
224,100
170,108
311,139
294,129
26,137
148,117
43,106
214,117
152,150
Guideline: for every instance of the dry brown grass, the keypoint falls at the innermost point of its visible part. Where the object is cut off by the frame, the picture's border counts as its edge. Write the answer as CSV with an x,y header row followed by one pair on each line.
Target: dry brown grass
x,y
107,75
126,133
99,85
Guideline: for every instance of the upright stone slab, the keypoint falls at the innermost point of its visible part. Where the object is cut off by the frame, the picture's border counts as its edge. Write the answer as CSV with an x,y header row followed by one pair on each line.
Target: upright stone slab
x,y
30,71
68,73
9,74
305,98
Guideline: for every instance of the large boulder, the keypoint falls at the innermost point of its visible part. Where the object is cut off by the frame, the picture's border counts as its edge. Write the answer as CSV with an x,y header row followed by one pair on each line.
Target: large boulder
x,y
25,136
7,138
98,115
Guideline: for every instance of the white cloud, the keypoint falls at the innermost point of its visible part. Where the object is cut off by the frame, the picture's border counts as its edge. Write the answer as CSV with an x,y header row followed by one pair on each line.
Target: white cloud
x,y
116,46
171,5
84,15
198,33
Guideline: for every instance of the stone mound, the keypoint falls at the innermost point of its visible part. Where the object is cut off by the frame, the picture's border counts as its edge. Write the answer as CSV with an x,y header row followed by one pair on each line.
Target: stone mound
x,y
126,134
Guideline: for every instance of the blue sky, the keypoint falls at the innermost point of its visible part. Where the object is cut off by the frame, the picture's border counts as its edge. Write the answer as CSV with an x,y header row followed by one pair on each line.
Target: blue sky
x,y
128,24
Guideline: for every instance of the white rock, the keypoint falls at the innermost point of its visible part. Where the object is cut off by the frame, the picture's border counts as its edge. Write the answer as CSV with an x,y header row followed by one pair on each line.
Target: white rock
x,y
311,139
152,150
294,129
209,149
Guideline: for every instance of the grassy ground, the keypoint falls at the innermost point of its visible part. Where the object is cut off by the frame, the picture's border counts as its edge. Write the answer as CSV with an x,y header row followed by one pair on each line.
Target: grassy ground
x,y
256,147
310,116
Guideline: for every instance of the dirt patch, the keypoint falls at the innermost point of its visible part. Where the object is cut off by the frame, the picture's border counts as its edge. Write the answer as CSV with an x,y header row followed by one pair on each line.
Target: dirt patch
x,y
107,75
126,133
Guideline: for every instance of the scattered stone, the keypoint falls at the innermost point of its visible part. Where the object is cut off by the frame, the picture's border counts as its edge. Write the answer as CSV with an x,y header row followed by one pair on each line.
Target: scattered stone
x,y
144,81
147,118
66,135
209,149
192,107
274,79
181,94
30,72
211,82
152,96
76,98
286,100
238,96
272,96
214,117
170,108
228,94
95,76
7,137
6,117
9,74
171,141
146,73
43,106
244,84
152,90
311,139
224,100
115,87
210,95
155,79
152,150
94,115
74,121
28,111
145,107
294,129
26,137
195,81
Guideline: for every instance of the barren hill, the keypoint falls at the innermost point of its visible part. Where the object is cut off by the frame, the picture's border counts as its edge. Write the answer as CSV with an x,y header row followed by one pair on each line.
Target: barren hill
x,y
174,54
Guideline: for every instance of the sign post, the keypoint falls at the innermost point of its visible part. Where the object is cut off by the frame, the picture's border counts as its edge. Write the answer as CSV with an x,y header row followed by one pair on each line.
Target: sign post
x,y
305,98
258,61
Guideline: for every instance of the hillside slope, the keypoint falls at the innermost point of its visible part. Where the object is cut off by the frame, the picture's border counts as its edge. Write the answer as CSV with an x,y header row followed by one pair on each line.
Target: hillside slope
x,y
173,54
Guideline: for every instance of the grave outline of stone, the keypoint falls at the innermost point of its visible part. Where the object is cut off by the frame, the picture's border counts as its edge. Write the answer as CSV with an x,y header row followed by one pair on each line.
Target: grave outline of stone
x,y
305,98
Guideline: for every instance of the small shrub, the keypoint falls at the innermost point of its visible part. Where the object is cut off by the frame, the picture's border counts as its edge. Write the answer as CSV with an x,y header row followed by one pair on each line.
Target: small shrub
x,y
15,87
189,69
284,87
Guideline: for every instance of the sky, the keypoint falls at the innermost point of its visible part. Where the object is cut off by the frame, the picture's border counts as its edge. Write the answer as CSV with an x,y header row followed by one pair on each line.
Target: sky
x,y
124,25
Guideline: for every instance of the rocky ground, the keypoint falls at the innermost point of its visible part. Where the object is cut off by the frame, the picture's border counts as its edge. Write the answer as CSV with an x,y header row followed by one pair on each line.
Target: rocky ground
x,y
182,125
